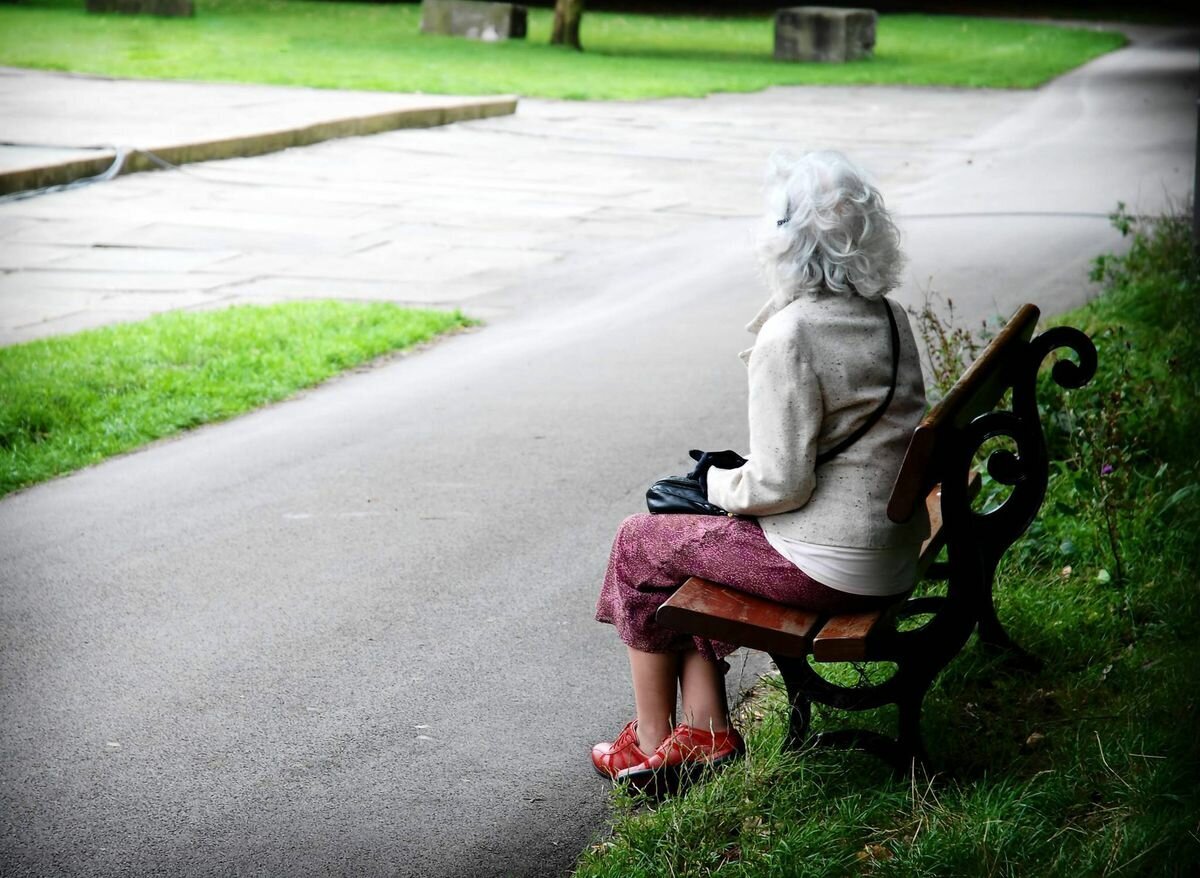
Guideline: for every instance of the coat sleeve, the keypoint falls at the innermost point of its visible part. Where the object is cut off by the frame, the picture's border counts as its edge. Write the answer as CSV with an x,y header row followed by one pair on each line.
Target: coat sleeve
x,y
786,410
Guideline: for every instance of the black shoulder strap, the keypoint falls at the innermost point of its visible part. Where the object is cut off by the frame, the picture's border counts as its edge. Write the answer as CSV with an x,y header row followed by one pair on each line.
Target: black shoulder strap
x,y
887,400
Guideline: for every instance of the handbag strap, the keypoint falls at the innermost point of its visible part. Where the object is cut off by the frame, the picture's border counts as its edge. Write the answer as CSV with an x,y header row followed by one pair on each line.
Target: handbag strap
x,y
829,455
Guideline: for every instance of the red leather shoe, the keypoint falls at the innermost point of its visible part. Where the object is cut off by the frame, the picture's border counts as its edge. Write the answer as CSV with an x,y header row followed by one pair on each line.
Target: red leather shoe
x,y
610,759
682,757
709,748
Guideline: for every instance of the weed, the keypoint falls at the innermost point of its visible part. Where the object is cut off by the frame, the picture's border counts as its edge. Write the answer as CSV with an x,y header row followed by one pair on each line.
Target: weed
x,y
947,348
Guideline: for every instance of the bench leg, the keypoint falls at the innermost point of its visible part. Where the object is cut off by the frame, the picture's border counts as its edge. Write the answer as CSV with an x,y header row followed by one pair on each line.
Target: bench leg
x,y
901,752
911,744
800,714
993,636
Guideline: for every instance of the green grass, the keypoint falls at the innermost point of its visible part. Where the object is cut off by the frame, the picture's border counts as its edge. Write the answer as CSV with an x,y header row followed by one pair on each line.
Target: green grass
x,y
377,47
72,401
1090,767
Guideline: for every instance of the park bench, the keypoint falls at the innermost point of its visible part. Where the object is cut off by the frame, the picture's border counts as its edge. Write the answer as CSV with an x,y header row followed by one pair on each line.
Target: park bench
x,y
996,397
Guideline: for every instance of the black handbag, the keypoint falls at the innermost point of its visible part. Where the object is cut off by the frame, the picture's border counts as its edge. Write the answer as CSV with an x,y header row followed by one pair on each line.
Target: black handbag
x,y
688,495
681,495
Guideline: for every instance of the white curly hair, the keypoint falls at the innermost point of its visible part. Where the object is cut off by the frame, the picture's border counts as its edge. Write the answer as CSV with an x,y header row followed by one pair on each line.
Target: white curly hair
x,y
826,229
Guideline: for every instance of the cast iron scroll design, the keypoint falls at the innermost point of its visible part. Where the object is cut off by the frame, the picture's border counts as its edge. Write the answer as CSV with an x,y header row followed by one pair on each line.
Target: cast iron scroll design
x,y
975,542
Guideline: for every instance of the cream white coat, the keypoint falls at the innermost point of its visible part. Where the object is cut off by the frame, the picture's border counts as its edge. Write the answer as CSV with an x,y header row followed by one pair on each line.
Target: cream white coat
x,y
818,369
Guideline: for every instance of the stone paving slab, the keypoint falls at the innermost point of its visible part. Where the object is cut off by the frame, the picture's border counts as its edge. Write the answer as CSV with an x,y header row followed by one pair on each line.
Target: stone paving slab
x,y
63,127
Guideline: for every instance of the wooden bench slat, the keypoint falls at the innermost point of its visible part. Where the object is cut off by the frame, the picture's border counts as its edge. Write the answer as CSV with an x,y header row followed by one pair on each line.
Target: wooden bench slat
x,y
721,613
845,638
933,545
977,391
937,537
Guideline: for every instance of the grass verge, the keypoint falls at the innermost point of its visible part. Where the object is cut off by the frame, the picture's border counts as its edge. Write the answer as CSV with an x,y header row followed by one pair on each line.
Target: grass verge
x,y
69,402
378,47
1089,767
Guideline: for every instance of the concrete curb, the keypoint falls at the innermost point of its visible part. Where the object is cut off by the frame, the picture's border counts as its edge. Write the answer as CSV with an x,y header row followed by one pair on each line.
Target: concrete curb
x,y
455,110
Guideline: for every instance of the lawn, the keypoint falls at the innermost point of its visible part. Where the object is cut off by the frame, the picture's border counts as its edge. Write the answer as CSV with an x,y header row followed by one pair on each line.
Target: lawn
x,y
378,47
1090,766
74,400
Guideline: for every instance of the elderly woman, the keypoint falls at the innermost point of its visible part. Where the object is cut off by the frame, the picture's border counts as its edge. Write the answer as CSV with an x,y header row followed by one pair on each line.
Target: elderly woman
x,y
835,392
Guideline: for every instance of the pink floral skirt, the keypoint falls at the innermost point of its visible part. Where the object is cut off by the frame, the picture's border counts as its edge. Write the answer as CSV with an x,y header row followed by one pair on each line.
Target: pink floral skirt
x,y
655,554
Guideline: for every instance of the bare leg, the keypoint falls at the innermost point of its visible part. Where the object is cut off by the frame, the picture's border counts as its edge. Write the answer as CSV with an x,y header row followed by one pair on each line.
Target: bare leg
x,y
703,686
655,675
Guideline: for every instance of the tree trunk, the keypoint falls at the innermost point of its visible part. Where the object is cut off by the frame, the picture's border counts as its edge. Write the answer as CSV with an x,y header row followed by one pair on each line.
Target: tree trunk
x,y
567,15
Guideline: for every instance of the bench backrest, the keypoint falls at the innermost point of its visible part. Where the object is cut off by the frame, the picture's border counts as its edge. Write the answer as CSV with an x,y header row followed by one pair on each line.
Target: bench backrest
x,y
977,391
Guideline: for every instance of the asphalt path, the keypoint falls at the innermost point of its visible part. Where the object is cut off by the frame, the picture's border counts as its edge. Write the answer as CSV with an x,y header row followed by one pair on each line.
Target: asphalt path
x,y
351,633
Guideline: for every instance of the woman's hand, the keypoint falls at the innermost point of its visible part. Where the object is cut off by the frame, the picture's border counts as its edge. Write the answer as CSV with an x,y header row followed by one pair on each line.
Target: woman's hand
x,y
705,460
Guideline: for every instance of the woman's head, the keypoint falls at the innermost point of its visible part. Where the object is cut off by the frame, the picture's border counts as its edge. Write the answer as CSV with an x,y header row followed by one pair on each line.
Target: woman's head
x,y
826,228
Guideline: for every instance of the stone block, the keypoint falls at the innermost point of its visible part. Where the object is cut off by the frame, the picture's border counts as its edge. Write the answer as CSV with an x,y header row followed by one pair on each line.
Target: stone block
x,y
169,8
477,21
824,33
